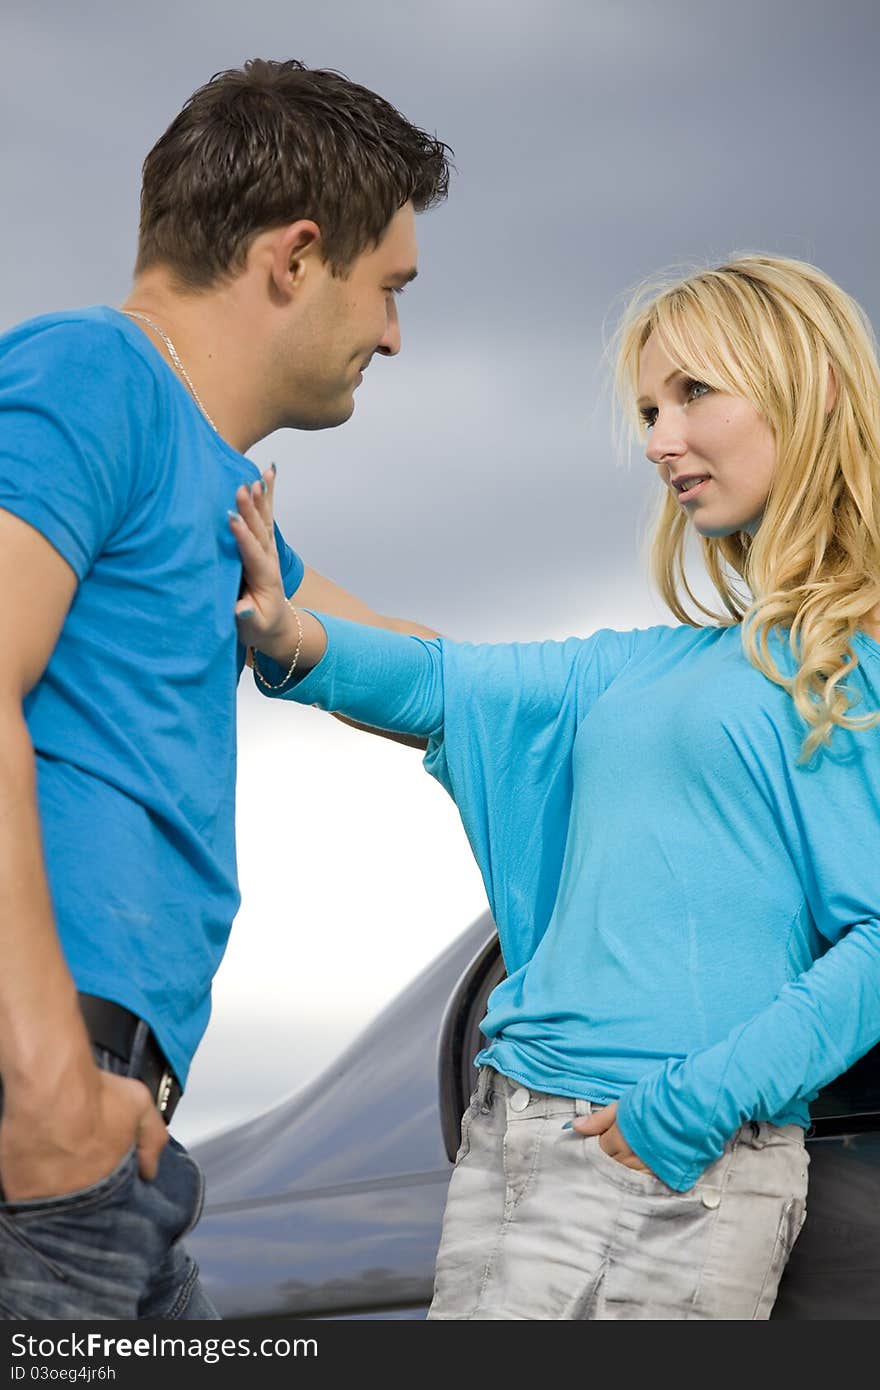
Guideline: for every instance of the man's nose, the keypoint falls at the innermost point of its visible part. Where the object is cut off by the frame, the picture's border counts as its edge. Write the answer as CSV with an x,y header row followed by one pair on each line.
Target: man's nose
x,y
389,343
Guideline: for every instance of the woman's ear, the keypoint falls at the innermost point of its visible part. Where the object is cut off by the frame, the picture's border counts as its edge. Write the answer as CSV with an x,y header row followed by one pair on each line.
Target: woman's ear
x,y
833,390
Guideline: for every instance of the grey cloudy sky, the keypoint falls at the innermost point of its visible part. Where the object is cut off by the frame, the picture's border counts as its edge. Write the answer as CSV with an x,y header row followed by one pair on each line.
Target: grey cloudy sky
x,y
594,142
476,487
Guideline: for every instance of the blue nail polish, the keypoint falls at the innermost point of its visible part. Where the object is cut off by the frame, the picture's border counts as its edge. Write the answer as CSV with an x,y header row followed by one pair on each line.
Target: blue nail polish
x,y
245,613
263,484
233,516
272,466
569,1124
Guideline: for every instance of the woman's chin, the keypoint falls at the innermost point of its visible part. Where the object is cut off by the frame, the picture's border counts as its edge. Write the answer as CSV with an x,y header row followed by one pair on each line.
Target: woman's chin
x,y
714,527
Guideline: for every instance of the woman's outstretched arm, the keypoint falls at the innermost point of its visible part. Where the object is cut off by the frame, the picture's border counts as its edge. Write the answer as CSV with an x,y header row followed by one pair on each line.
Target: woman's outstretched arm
x,y
316,592
398,685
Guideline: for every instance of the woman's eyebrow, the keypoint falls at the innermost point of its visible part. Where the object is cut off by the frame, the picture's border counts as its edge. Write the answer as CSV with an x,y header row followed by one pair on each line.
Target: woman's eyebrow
x,y
676,371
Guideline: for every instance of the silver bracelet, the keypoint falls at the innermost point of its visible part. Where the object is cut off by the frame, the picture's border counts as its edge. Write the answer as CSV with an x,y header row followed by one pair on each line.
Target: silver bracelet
x,y
258,673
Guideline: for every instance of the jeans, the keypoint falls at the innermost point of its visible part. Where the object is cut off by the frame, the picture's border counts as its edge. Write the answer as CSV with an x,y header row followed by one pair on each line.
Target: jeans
x,y
111,1250
542,1224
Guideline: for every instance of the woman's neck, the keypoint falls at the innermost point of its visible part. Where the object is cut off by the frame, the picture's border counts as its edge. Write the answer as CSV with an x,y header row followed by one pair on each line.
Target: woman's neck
x,y
871,623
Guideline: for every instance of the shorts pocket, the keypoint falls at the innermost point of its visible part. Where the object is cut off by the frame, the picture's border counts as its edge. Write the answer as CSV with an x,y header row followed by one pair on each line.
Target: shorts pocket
x,y
791,1220
467,1120
632,1179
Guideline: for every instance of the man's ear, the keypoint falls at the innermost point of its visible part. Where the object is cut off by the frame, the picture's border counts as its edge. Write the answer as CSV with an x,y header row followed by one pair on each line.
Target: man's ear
x,y
296,250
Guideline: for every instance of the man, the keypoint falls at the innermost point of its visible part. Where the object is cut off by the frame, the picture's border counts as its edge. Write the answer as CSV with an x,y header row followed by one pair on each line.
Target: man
x,y
277,226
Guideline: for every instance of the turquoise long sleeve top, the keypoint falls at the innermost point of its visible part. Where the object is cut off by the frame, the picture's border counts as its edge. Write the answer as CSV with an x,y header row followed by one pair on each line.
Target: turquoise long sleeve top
x,y
690,921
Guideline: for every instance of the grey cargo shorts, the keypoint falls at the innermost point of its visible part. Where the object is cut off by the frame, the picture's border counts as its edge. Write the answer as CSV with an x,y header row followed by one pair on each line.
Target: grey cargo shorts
x,y
541,1223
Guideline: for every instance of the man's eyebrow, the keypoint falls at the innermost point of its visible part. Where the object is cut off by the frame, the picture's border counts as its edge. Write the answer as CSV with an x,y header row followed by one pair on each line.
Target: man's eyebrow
x,y
676,371
403,277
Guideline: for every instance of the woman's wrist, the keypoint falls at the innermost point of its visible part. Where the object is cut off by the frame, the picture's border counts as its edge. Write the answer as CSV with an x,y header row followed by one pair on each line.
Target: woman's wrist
x,y
299,644
281,645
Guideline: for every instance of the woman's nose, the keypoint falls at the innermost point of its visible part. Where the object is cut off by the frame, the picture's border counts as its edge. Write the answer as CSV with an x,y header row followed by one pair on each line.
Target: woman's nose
x,y
665,443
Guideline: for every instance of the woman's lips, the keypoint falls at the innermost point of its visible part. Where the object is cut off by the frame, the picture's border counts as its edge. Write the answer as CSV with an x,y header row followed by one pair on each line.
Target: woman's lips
x,y
692,491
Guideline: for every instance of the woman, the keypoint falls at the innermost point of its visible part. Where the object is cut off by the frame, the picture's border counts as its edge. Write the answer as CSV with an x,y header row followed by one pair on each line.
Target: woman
x,y
677,827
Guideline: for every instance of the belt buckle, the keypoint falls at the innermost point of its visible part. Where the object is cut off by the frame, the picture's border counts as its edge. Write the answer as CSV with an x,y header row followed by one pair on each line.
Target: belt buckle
x,y
163,1094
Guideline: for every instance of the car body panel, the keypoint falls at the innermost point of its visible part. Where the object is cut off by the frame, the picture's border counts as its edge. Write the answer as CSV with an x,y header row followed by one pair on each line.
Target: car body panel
x,y
332,1201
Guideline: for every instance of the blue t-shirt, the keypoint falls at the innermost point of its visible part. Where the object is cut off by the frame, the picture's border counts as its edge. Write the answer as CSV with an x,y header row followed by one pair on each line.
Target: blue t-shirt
x,y
690,921
104,451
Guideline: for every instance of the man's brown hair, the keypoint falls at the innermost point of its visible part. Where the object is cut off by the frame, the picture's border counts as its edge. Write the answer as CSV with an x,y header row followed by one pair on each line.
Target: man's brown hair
x,y
271,142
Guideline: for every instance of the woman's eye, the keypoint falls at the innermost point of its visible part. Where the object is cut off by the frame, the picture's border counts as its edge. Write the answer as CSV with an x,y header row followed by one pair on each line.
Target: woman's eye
x,y
695,389
648,416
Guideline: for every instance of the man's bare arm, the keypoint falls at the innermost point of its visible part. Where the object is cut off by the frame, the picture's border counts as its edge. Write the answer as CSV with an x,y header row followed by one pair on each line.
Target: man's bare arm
x,y
316,591
65,1124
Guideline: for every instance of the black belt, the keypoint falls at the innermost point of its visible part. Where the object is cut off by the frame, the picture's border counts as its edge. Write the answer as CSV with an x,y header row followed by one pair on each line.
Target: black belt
x,y
121,1032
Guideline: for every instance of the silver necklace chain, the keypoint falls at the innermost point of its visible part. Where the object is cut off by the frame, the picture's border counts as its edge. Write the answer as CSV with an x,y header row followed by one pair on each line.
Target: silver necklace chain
x,y
172,353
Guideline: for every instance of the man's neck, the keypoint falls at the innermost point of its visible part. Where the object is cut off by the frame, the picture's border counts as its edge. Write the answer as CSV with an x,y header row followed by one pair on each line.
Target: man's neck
x,y
216,341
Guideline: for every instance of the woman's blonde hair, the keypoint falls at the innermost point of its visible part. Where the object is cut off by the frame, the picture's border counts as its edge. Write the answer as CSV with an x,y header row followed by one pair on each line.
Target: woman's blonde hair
x,y
776,332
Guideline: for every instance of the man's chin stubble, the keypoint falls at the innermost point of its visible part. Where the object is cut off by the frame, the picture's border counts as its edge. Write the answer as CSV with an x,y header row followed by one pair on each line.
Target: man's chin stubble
x,y
319,422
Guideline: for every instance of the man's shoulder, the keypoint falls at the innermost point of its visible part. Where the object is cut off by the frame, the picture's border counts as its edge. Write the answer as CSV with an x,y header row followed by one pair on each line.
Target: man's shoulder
x,y
89,362
96,338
